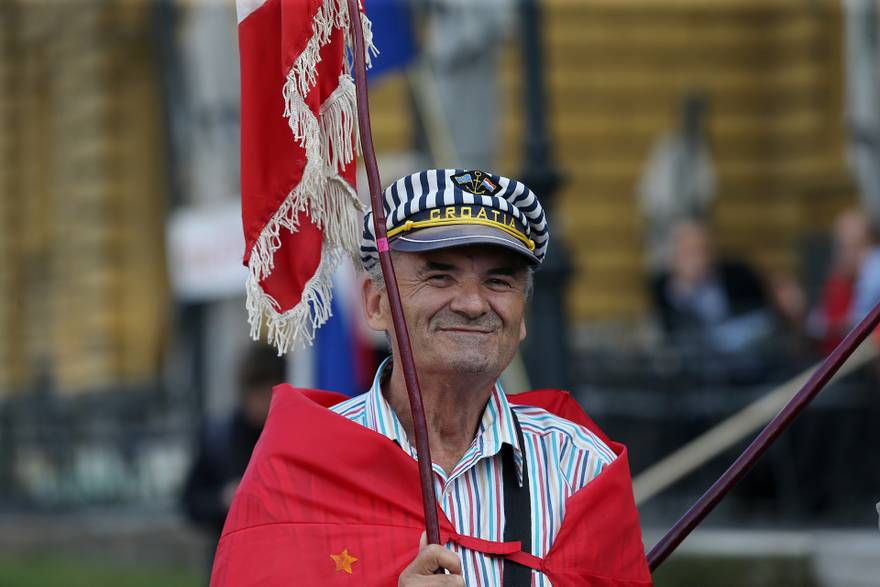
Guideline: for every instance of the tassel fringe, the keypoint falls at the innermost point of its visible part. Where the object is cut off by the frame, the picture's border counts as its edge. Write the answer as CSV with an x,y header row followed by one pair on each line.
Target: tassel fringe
x,y
297,325
331,142
339,127
333,14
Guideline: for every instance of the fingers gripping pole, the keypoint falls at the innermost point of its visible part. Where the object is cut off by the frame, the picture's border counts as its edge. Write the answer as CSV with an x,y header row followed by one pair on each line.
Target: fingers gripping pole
x,y
407,363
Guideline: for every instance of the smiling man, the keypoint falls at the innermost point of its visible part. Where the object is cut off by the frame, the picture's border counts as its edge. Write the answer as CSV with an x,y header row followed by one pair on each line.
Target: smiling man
x,y
464,246
529,490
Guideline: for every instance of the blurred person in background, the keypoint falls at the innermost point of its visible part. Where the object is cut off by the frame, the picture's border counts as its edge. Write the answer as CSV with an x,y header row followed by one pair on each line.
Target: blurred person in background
x,y
721,301
717,306
463,45
845,422
866,292
678,180
830,320
225,445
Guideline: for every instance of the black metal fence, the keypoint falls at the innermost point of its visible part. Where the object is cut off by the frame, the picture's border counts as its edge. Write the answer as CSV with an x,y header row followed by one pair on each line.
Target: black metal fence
x,y
824,470
116,447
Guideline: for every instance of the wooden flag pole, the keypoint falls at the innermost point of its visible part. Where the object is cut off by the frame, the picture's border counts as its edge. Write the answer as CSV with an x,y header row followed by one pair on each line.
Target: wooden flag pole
x,y
407,363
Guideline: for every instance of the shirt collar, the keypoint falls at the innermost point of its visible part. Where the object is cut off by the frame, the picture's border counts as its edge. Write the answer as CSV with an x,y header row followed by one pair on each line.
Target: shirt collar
x,y
380,416
496,425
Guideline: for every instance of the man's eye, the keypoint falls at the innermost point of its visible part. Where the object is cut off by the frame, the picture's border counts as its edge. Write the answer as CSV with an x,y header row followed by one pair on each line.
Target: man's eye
x,y
439,279
498,283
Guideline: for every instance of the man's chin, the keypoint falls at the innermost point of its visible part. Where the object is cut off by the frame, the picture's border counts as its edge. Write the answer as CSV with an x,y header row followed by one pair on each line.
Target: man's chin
x,y
465,353
462,362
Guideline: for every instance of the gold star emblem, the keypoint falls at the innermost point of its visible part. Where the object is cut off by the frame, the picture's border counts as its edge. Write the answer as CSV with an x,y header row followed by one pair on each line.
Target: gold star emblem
x,y
343,561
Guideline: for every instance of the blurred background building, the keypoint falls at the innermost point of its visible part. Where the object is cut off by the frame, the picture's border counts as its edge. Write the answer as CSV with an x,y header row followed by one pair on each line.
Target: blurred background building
x,y
122,293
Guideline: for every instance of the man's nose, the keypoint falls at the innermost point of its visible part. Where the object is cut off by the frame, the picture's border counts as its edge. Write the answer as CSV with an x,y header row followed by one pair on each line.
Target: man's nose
x,y
469,300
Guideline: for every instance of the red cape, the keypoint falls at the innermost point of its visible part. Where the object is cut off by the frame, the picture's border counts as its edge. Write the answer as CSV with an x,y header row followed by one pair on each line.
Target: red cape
x,y
319,484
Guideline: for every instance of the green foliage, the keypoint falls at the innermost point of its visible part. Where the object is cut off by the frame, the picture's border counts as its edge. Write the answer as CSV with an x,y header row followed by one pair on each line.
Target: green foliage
x,y
51,571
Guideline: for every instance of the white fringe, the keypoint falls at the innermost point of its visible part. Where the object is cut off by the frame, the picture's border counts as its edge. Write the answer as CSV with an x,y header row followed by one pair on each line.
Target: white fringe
x,y
297,326
332,204
370,49
301,77
341,234
339,127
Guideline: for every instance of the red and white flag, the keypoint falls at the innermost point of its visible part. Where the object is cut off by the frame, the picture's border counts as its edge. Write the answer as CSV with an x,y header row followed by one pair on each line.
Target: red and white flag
x,y
300,211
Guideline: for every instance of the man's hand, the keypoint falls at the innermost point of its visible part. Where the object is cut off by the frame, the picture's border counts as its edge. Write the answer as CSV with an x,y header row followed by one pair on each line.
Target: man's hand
x,y
420,572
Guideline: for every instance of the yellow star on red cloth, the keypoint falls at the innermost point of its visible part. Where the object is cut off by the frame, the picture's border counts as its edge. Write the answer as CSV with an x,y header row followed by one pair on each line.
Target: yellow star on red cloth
x,y
343,561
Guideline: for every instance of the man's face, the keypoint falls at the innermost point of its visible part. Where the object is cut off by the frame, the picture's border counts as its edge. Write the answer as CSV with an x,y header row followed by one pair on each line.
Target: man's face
x,y
464,308
691,252
851,241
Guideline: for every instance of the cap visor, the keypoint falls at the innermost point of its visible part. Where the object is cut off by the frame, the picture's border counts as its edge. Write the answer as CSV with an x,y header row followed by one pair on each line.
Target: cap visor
x,y
446,237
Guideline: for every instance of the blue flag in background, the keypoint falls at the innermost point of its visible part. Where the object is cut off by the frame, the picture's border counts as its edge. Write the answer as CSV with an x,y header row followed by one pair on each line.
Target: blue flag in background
x,y
340,360
336,352
392,34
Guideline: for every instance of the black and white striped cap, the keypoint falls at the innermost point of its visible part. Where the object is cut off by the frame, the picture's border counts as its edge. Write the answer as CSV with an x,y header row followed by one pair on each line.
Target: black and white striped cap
x,y
443,208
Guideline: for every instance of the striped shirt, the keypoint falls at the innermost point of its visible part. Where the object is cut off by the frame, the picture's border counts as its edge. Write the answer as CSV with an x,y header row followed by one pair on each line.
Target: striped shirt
x,y
561,456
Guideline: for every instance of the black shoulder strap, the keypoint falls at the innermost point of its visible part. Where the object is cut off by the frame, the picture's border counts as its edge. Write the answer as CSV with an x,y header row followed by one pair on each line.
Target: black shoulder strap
x,y
517,512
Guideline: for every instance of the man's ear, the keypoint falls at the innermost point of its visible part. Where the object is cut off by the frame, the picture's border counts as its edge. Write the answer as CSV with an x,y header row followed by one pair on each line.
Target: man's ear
x,y
376,307
522,328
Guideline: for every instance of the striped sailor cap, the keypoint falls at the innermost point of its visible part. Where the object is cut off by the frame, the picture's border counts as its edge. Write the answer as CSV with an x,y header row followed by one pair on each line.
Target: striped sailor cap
x,y
442,208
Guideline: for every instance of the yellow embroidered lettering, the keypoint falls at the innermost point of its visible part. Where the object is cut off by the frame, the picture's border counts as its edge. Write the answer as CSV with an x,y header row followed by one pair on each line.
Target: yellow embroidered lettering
x,y
435,214
495,214
450,213
482,214
463,210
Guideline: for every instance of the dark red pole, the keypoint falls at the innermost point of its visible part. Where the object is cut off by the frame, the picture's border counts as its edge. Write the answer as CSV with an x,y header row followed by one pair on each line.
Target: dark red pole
x,y
770,433
432,525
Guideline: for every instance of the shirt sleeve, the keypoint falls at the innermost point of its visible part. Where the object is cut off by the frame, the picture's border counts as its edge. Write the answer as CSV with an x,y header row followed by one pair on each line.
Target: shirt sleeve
x,y
583,458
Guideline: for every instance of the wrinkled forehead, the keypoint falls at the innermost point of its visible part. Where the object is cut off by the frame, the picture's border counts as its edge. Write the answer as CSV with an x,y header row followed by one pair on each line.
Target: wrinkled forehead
x,y
482,257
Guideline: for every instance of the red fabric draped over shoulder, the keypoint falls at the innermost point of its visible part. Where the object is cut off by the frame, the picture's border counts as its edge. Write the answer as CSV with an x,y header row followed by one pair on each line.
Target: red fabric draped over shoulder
x,y
323,496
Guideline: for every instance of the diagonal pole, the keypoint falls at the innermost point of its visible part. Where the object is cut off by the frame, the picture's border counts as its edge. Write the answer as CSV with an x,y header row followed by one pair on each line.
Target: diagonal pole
x,y
410,376
768,435
734,429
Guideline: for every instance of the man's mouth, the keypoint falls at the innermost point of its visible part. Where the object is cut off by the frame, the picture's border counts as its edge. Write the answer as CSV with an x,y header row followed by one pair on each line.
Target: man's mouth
x,y
460,330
